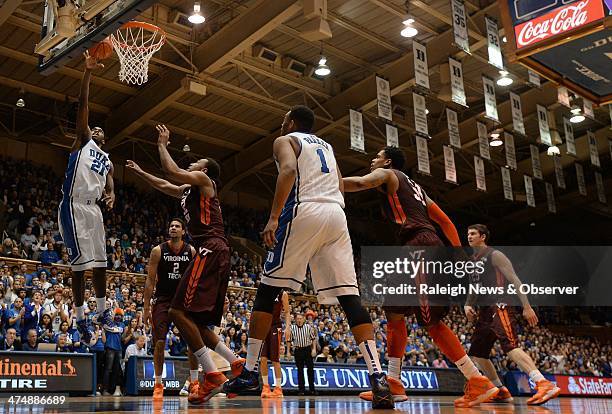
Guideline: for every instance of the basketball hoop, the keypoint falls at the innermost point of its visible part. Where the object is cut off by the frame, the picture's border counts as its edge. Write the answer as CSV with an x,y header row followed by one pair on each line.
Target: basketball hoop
x,y
135,43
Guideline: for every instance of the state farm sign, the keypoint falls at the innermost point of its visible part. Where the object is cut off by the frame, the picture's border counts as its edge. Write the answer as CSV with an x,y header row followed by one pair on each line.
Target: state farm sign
x,y
558,21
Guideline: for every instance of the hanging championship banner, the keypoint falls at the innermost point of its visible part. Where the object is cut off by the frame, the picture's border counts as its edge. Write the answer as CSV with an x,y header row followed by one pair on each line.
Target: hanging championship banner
x,y
534,78
483,141
601,191
550,198
422,155
392,136
535,161
460,30
457,88
580,179
563,96
453,128
518,124
569,137
420,116
559,171
383,93
450,171
510,150
421,70
357,136
593,152
507,184
543,125
490,101
588,108
494,49
529,191
481,182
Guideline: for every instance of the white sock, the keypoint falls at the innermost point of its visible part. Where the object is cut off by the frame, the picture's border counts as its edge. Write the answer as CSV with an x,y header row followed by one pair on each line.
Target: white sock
x,y
536,376
264,378
225,352
253,350
100,304
497,382
395,366
467,367
193,375
370,354
203,356
80,313
158,379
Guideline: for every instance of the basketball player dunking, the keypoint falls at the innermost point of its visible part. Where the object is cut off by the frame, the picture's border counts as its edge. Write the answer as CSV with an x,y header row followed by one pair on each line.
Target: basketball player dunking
x,y
271,347
498,321
198,302
405,203
307,227
89,179
167,265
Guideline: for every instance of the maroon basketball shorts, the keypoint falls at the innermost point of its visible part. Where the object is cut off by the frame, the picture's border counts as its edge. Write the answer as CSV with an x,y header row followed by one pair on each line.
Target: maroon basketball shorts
x,y
271,346
201,291
494,323
159,317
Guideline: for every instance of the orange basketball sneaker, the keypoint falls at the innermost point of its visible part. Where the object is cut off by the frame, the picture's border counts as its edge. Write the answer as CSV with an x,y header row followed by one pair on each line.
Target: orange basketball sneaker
x,y
237,366
478,389
194,386
213,383
266,392
545,390
277,393
503,396
158,392
396,388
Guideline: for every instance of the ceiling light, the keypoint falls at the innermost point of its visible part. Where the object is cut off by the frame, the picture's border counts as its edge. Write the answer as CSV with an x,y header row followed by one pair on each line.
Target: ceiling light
x,y
504,80
196,17
505,39
496,141
409,30
554,150
322,69
20,103
577,117
426,111
495,135
186,148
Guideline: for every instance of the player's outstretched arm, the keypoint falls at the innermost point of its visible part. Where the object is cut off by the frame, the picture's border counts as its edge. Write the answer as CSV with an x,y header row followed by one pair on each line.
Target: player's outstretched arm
x,y
150,283
448,228
83,132
157,183
374,179
109,188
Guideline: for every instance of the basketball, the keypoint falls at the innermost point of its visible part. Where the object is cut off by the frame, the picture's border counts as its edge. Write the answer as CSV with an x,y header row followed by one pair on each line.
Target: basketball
x,y
102,50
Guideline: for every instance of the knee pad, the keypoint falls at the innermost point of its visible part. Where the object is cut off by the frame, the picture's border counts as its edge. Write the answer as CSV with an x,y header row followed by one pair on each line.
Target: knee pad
x,y
264,300
355,312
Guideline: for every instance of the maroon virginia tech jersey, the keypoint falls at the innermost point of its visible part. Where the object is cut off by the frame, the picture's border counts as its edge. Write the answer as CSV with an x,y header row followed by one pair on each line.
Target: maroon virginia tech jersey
x,y
407,207
491,276
172,266
276,312
203,214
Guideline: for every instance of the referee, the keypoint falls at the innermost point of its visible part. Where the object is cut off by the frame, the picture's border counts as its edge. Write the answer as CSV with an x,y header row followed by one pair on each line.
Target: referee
x,y
304,339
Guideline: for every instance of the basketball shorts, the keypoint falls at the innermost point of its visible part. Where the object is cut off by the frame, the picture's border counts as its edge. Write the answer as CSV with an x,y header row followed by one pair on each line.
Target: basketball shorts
x,y
81,226
494,323
159,317
201,290
271,346
426,315
313,235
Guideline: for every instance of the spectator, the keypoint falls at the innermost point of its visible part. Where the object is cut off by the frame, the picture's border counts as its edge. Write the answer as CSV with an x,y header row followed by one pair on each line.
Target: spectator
x,y
440,362
32,315
49,255
111,336
9,342
324,356
62,343
57,310
46,334
31,343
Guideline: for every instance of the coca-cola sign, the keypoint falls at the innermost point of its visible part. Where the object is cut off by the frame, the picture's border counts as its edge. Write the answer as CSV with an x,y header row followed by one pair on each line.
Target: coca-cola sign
x,y
558,21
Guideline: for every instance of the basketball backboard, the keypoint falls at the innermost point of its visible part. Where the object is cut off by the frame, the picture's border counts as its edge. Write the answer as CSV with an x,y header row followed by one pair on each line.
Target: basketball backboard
x,y
72,26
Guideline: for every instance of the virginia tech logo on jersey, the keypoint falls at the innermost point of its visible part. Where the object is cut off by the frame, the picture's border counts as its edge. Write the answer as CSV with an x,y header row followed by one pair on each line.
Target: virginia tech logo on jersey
x,y
203,251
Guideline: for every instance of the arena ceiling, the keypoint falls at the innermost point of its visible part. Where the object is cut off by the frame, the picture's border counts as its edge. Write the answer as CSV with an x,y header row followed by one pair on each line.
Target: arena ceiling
x,y
247,96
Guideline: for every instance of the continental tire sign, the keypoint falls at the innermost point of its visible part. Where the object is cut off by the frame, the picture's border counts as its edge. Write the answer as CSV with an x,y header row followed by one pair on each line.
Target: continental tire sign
x,y
46,372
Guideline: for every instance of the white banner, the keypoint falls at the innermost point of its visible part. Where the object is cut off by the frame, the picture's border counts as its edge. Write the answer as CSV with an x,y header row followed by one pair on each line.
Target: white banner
x,y
490,101
481,182
510,150
507,184
588,108
494,49
392,136
543,125
421,70
569,137
357,136
593,152
420,116
580,179
550,198
535,162
518,125
460,29
534,78
483,141
559,172
450,171
457,88
422,155
453,128
601,191
563,96
383,93
529,191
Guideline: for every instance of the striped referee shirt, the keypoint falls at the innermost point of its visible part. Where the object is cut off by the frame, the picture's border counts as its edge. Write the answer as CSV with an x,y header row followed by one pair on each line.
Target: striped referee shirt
x,y
302,336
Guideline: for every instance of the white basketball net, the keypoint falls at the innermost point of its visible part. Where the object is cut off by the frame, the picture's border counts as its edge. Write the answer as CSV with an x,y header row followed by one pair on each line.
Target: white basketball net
x,y
135,45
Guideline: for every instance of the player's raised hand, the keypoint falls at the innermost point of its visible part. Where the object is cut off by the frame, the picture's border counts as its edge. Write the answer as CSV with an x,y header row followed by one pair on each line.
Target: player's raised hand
x,y
109,200
470,313
530,316
131,165
91,62
164,135
268,233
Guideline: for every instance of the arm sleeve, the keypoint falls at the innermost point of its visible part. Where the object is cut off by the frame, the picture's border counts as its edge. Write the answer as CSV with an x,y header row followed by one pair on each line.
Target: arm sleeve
x,y
447,226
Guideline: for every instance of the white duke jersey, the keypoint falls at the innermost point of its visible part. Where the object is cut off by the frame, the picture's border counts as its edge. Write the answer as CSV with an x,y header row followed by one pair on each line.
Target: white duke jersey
x,y
317,176
86,172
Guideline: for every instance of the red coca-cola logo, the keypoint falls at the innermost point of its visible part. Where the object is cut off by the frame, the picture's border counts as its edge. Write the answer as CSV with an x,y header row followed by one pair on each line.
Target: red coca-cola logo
x,y
558,21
